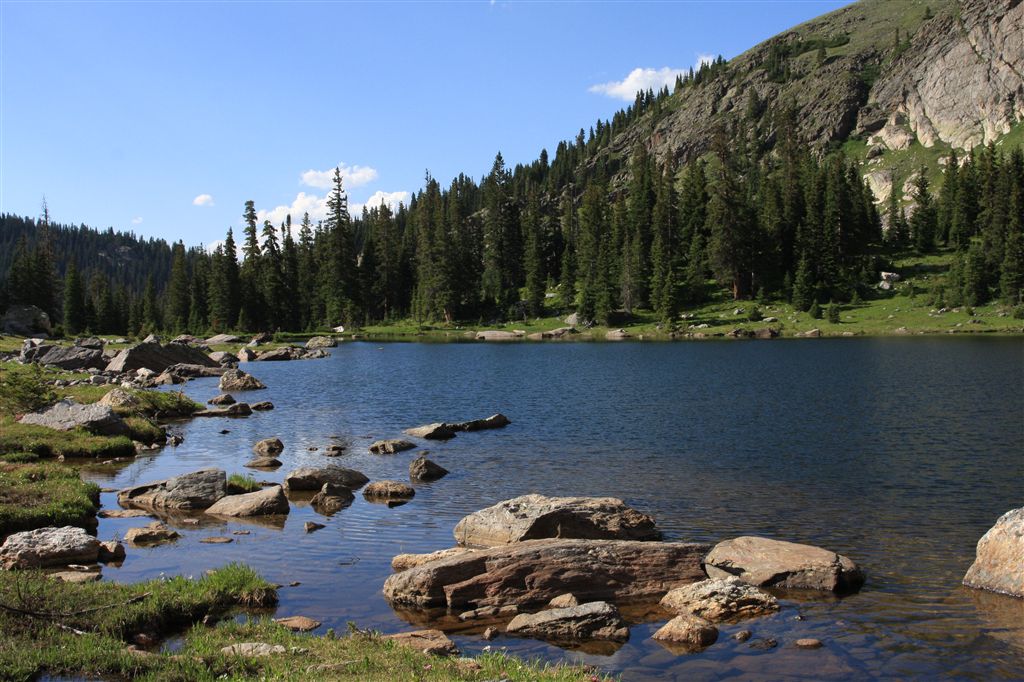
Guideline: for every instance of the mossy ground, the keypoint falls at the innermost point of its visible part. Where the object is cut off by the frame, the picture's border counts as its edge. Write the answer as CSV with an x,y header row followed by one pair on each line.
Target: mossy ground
x,y
107,616
34,495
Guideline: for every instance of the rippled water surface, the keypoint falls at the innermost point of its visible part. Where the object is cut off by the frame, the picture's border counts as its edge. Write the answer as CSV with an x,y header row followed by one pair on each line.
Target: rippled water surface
x,y
899,453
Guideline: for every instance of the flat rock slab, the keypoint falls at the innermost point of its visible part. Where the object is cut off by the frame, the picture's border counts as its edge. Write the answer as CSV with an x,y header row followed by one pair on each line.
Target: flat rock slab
x,y
217,540
999,563
536,571
596,620
73,357
234,410
310,478
77,577
390,447
264,502
122,513
764,562
298,623
533,517
155,533
67,414
253,649
196,490
403,562
718,600
50,546
445,430
433,642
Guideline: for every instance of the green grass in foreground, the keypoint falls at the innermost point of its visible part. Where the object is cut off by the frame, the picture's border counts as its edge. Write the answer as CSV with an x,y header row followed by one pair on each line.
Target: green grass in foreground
x,y
44,494
107,615
46,442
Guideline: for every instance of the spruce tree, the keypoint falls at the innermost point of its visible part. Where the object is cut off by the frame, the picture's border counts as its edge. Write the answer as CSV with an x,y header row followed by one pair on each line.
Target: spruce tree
x,y
923,222
533,260
178,291
74,301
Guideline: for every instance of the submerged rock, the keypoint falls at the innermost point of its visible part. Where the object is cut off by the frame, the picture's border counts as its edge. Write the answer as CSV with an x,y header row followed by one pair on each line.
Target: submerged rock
x,y
533,517
298,623
764,562
388,490
718,600
536,571
596,620
49,546
390,447
155,533
999,563
438,431
196,490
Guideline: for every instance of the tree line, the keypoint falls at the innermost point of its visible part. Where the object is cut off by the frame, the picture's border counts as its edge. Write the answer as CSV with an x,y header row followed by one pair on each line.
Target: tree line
x,y
753,219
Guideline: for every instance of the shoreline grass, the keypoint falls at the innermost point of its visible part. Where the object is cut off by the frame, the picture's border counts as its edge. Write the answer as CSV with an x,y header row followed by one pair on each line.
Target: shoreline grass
x,y
35,495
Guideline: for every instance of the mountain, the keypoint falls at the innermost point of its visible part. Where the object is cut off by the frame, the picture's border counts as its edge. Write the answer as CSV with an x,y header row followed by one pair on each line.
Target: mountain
x,y
891,75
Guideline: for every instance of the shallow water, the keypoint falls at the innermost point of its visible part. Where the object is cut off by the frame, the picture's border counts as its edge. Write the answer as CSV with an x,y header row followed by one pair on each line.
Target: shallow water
x,y
899,453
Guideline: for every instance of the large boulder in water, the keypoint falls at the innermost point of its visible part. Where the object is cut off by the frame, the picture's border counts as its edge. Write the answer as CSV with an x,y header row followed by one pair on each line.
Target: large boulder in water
x,y
270,500
196,490
532,517
596,620
775,563
67,414
237,380
321,342
309,478
49,547
158,357
537,571
719,600
422,469
999,564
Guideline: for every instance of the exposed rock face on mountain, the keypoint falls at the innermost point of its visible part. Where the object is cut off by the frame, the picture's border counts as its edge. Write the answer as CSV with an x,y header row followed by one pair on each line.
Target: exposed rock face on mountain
x,y
957,78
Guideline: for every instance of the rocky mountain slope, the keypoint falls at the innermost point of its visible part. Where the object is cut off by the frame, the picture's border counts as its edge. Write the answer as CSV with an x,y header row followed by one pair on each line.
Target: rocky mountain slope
x,y
892,74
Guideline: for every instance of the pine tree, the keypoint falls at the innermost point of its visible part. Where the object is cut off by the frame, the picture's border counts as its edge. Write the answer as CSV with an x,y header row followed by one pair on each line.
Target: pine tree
x,y
923,222
150,320
178,290
533,260
803,286
198,313
664,284
74,301
640,205
591,276
271,278
338,272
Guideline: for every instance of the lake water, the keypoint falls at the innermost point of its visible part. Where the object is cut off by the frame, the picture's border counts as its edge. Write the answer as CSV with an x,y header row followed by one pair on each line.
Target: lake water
x,y
899,453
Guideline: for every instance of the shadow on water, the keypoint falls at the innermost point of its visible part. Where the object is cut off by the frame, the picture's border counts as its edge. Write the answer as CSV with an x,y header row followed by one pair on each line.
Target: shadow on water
x,y
899,453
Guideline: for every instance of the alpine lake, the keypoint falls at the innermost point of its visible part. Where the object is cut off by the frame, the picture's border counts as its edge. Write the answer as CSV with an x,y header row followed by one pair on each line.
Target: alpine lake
x,y
898,453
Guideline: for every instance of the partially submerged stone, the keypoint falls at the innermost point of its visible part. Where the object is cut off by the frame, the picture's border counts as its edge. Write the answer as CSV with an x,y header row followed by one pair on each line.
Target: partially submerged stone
x,y
596,620
388,490
196,490
432,642
332,498
422,469
264,502
391,446
437,431
235,410
155,533
717,600
237,380
298,623
532,517
536,571
688,632
268,447
49,546
310,478
775,563
999,563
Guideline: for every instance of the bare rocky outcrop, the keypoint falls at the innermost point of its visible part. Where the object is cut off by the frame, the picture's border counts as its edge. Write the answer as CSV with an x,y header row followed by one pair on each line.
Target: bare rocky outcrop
x,y
536,571
596,620
532,517
67,414
999,563
765,562
157,357
718,600
196,490
49,546
237,380
264,502
310,478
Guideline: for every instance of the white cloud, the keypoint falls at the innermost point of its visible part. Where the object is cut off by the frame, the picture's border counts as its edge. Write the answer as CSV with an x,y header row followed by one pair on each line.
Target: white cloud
x,y
637,80
137,220
352,176
203,200
703,59
392,199
303,203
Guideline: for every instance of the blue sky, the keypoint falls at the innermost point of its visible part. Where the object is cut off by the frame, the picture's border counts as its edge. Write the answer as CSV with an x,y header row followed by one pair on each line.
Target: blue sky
x,y
165,117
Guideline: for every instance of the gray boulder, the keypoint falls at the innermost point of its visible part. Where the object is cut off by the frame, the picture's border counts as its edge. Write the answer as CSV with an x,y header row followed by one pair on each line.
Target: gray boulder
x,y
268,447
309,478
422,469
222,339
49,547
532,517
25,320
73,358
764,562
237,380
67,414
332,498
390,447
718,600
196,490
270,500
223,357
157,357
596,620
999,563
33,349
321,342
